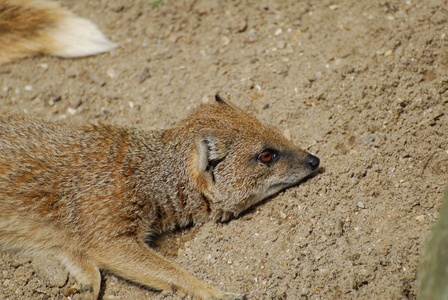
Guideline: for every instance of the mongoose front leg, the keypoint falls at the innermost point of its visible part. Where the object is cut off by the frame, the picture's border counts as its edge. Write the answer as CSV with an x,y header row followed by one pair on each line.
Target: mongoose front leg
x,y
135,261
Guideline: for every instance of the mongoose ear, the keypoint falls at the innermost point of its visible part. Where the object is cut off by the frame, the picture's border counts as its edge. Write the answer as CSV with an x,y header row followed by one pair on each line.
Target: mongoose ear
x,y
224,101
212,150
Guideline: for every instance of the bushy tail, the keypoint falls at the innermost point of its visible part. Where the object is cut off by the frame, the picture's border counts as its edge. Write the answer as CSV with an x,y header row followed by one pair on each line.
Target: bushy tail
x,y
28,27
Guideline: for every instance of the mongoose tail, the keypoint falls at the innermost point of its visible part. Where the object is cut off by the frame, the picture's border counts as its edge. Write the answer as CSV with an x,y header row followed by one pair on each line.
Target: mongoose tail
x,y
29,27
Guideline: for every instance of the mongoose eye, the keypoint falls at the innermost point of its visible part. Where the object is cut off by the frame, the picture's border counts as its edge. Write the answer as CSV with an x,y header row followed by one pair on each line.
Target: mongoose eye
x,y
267,156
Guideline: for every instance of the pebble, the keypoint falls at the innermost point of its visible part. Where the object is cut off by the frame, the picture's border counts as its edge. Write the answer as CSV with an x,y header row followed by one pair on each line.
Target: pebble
x,y
388,53
173,38
111,73
144,74
71,111
360,204
28,88
281,45
252,36
253,60
242,26
278,32
225,40
369,139
420,218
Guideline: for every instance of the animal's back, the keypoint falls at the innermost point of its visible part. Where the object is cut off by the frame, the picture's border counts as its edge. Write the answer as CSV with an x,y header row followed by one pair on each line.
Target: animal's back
x,y
51,178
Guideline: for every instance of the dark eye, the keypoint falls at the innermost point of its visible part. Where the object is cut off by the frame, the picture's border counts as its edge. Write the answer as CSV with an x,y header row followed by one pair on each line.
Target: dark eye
x,y
265,156
268,156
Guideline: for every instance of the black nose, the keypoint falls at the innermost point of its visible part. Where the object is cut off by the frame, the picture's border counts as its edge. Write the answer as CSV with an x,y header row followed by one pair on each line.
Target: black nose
x,y
312,162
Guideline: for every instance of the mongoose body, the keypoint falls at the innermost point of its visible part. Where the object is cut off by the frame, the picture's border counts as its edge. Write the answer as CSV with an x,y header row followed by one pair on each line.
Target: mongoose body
x,y
93,195
29,27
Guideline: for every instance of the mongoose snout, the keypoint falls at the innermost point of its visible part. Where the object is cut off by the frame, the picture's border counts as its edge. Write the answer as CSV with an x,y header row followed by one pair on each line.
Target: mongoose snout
x,y
92,196
313,162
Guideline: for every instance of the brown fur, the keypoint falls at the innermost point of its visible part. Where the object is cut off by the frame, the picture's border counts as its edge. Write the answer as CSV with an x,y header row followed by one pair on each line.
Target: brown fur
x,y
93,195
29,27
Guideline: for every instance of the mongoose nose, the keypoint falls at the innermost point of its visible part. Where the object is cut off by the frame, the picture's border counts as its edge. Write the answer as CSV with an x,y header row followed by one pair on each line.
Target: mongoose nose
x,y
312,162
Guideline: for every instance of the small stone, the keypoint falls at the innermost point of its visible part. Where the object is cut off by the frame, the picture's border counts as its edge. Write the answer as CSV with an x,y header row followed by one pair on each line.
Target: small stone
x,y
360,204
242,26
225,40
131,104
28,88
420,218
111,73
143,75
253,60
278,32
282,215
388,53
252,36
284,72
369,139
281,45
71,111
105,112
173,38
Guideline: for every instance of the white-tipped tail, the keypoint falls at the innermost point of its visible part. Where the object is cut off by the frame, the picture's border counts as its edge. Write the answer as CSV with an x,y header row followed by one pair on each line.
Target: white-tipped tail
x,y
30,27
75,36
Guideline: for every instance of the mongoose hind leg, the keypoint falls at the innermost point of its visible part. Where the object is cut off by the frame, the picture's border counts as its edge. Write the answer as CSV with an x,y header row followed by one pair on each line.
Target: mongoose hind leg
x,y
134,260
85,272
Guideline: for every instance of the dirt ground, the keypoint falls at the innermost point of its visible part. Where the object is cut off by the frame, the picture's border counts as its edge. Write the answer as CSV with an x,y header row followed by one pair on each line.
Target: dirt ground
x,y
361,84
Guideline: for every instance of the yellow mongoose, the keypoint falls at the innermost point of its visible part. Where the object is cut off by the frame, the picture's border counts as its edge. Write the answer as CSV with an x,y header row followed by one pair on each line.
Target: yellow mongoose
x,y
28,27
93,195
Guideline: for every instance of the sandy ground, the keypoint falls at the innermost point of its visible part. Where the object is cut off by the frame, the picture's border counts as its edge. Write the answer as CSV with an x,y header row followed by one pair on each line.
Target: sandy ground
x,y
361,84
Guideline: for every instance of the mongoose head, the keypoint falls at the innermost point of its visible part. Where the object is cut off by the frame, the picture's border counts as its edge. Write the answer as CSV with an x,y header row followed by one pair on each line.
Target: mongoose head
x,y
238,161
